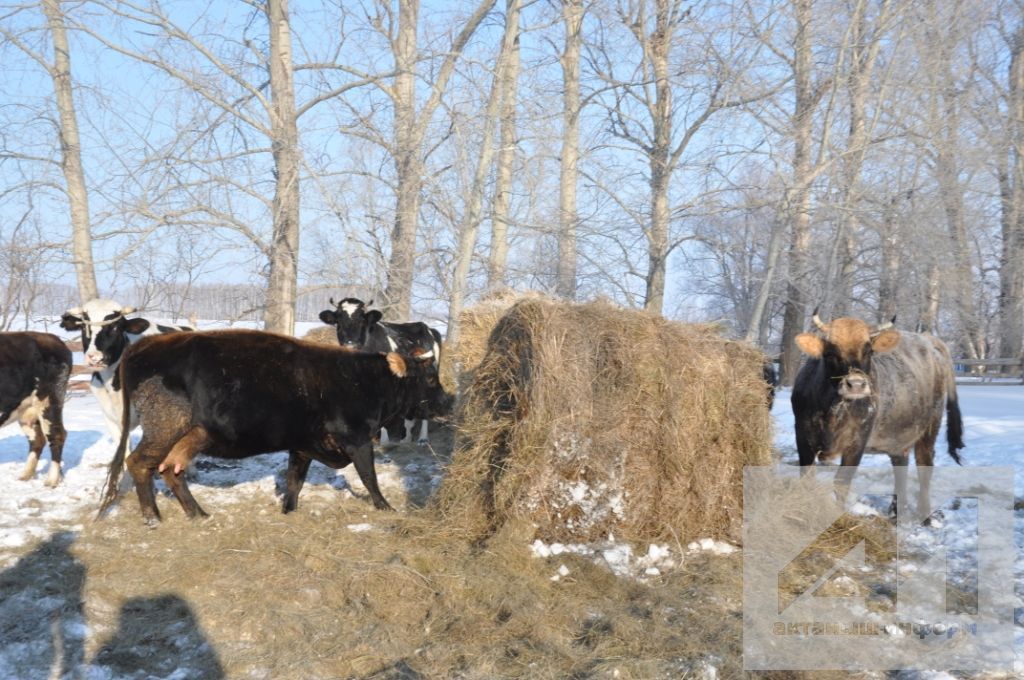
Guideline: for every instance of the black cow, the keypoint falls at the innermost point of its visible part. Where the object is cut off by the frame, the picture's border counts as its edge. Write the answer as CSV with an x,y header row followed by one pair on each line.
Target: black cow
x,y
106,333
875,389
234,394
34,370
359,328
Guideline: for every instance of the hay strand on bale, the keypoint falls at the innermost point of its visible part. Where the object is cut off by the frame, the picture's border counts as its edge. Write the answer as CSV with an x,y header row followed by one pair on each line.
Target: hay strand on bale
x,y
590,419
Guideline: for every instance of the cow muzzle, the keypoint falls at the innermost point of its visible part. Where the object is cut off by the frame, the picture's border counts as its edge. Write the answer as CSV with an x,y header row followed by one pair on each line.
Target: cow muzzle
x,y
855,385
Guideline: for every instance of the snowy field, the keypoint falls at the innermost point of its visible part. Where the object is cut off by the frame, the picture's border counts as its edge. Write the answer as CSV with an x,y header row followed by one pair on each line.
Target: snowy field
x,y
31,512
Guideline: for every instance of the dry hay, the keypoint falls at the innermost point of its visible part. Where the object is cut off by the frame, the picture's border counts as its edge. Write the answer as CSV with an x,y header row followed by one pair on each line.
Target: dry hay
x,y
322,335
585,420
258,594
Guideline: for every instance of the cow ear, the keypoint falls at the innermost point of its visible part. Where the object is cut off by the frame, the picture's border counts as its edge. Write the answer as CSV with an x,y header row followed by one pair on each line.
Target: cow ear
x,y
810,344
329,317
136,326
397,364
70,322
885,341
373,316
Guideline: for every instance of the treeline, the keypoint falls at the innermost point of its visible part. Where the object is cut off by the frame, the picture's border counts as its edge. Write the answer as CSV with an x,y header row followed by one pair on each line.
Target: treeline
x,y
745,160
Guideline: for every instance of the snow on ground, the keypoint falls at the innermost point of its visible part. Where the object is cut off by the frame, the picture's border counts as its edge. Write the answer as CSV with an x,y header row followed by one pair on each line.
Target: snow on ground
x,y
993,418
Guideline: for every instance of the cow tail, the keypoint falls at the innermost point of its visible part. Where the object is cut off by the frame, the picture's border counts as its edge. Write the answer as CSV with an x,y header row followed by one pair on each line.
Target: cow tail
x,y
117,464
954,422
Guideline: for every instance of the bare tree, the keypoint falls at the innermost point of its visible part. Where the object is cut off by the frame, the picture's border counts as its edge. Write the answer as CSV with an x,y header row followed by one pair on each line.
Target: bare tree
x,y
410,128
59,70
645,114
233,84
501,209
568,217
1011,190
282,282
469,226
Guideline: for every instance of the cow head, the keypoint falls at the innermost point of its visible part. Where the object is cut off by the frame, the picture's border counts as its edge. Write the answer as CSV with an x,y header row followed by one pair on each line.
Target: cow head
x,y
845,347
352,320
420,369
105,330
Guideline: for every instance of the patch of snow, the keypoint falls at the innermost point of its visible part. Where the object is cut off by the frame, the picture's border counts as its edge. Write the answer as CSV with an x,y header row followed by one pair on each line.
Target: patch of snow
x,y
359,528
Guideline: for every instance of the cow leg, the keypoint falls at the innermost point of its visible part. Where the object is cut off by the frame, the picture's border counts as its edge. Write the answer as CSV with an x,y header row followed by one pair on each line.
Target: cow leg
x,y
407,437
899,501
362,458
51,422
847,470
924,456
807,446
295,477
141,466
424,433
178,460
36,441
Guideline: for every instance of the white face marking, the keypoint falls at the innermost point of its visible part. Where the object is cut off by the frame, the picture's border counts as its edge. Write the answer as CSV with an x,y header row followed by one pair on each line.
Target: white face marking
x,y
350,308
392,344
96,311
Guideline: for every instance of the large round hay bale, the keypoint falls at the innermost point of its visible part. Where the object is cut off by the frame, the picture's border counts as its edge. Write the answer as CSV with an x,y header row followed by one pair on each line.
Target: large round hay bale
x,y
591,419
322,335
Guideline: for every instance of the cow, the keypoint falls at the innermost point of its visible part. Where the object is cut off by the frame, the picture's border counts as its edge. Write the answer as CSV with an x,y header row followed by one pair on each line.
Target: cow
x,y
34,371
106,333
360,328
239,393
878,389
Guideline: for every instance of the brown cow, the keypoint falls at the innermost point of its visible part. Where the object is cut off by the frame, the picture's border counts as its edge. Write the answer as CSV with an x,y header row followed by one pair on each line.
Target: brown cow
x,y
875,389
235,394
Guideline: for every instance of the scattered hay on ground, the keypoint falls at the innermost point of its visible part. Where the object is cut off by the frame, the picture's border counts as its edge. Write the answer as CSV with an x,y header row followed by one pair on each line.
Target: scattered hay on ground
x,y
260,594
585,420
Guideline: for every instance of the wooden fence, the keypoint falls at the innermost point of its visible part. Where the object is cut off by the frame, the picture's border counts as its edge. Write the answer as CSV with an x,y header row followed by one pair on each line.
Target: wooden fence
x,y
1004,371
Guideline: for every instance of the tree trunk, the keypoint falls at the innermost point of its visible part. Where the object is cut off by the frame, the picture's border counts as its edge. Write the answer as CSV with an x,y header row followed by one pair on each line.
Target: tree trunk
x,y
500,215
797,204
1011,184
469,227
282,283
863,48
890,276
757,316
398,294
659,162
71,154
410,129
565,277
929,315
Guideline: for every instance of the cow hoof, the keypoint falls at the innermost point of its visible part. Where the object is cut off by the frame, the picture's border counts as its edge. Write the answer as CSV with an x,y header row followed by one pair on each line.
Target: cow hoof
x,y
422,442
25,476
52,483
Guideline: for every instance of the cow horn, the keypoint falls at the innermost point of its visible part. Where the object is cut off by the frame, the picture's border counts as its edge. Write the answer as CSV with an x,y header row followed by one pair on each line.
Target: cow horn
x,y
822,326
125,311
75,311
332,302
423,356
883,327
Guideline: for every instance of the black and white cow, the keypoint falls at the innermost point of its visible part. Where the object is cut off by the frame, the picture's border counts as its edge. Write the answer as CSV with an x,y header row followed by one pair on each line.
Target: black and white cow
x,y
361,328
239,393
34,370
106,334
